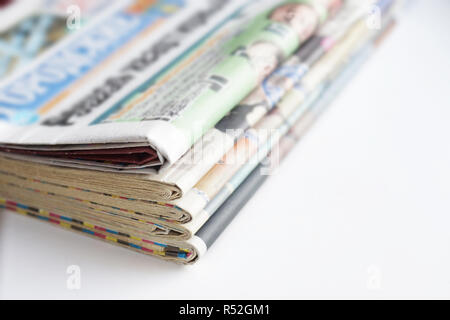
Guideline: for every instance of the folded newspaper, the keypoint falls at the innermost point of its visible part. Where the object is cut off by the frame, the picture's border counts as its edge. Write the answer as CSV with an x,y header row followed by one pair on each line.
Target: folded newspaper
x,y
96,208
136,87
268,76
191,250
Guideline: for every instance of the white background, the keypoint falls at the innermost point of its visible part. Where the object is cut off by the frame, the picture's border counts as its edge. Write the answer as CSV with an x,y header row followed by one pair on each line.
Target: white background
x,y
360,209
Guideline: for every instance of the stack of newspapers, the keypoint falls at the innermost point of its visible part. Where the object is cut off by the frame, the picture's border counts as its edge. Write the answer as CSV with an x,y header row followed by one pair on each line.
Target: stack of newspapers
x,y
149,124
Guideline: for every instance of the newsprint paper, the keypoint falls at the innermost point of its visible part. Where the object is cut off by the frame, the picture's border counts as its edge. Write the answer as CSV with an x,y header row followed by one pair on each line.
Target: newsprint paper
x,y
137,88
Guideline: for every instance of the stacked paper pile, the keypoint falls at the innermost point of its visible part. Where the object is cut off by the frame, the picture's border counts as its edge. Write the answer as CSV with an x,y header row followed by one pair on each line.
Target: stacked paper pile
x,y
151,123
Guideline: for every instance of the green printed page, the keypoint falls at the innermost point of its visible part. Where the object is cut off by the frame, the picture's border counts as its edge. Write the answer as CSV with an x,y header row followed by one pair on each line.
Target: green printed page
x,y
249,58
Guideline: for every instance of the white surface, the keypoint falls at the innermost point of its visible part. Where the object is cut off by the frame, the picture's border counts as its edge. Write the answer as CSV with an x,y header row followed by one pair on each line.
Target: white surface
x,y
363,203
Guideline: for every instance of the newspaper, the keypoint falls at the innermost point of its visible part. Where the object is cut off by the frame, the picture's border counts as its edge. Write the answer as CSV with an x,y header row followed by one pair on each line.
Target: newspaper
x,y
201,202
171,107
176,180
188,252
